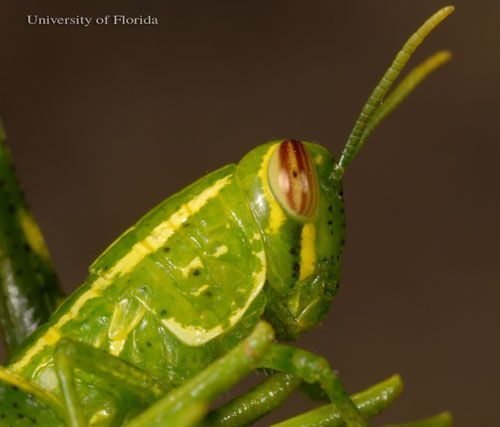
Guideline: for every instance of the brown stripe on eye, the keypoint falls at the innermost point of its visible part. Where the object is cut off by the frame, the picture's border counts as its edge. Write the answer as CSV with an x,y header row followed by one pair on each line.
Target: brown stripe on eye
x,y
289,172
304,176
296,177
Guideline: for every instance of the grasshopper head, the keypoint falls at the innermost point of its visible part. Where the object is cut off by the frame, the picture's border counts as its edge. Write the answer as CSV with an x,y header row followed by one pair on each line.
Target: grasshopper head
x,y
297,203
295,192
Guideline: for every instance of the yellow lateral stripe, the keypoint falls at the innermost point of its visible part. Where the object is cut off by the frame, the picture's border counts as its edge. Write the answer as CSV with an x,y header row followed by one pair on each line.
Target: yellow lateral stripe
x,y
307,251
276,215
157,238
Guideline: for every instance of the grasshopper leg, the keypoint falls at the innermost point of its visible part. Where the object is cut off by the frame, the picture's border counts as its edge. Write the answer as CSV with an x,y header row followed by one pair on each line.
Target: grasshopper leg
x,y
314,369
256,403
204,387
71,355
370,402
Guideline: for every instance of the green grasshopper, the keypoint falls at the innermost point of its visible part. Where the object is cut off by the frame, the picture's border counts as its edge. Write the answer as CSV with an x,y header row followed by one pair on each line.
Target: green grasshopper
x,y
190,299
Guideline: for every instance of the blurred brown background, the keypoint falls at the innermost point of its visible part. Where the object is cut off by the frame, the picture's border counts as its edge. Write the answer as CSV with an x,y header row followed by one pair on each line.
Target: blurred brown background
x,y
105,122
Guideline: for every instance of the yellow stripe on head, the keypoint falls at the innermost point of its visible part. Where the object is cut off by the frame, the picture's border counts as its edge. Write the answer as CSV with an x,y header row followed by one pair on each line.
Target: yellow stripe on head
x,y
307,251
276,214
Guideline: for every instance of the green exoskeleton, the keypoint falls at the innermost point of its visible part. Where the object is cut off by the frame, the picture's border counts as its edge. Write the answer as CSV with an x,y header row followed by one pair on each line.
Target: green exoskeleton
x,y
190,299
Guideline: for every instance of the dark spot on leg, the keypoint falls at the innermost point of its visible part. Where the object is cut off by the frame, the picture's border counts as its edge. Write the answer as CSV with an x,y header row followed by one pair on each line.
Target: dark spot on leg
x,y
166,249
296,266
196,272
163,312
148,344
293,251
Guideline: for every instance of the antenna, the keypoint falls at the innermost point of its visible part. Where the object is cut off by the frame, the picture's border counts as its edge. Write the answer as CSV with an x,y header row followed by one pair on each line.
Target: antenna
x,y
364,124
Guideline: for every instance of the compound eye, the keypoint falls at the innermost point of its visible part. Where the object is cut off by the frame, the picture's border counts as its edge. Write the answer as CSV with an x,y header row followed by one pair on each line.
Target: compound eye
x,y
292,178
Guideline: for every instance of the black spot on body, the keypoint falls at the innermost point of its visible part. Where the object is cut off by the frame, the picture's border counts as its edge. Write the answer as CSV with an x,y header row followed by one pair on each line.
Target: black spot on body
x,y
148,344
296,266
163,312
166,249
196,272
293,251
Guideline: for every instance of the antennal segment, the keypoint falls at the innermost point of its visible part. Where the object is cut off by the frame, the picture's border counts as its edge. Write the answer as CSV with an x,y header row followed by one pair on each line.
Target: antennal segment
x,y
358,135
398,95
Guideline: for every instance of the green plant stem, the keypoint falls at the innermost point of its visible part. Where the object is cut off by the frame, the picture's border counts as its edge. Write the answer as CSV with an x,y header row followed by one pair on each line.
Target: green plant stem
x,y
29,289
